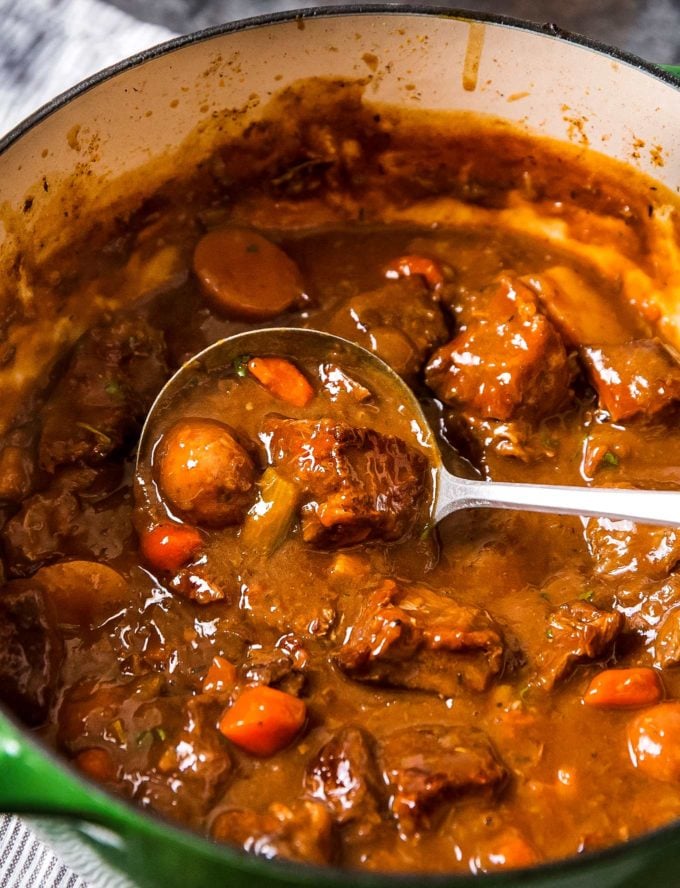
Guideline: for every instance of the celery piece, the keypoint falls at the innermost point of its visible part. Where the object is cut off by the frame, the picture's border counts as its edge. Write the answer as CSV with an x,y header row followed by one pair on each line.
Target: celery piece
x,y
269,521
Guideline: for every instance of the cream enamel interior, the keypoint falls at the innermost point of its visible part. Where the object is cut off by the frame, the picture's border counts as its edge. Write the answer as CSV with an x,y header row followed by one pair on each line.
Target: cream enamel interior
x,y
137,123
539,82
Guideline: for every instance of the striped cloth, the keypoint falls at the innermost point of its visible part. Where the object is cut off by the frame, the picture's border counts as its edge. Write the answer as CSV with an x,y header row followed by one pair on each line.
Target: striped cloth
x,y
25,862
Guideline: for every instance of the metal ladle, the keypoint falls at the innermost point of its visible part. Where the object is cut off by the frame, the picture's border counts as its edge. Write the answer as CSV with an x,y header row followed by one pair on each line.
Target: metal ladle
x,y
450,492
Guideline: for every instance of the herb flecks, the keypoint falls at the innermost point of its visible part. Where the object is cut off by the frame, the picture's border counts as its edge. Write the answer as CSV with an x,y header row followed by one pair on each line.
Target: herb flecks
x,y
96,432
241,365
113,389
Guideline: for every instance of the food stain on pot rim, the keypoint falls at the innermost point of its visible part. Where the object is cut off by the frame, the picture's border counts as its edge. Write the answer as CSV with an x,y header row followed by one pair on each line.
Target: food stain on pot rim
x,y
473,56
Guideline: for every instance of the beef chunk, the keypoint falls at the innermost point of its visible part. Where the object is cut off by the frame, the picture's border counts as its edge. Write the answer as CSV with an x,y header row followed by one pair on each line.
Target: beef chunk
x,y
114,374
667,643
639,377
79,515
202,585
623,547
358,485
428,766
508,362
301,832
31,651
563,293
343,776
281,666
411,637
575,631
166,752
17,470
401,322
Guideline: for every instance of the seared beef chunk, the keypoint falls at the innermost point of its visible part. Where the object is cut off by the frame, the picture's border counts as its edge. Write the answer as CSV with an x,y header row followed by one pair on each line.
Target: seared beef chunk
x,y
667,643
114,374
644,602
136,724
199,584
575,631
281,666
401,322
31,651
428,766
17,466
411,637
579,310
508,362
358,485
301,832
79,515
640,377
344,777
623,547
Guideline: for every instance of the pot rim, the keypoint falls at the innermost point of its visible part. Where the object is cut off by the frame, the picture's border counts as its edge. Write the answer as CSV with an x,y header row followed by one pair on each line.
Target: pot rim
x,y
296,872
547,29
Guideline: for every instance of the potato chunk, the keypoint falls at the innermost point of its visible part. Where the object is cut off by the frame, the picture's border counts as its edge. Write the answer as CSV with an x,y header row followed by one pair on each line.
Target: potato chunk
x,y
205,473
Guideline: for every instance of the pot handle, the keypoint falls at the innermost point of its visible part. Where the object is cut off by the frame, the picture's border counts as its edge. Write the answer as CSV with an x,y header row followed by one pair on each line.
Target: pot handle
x,y
31,782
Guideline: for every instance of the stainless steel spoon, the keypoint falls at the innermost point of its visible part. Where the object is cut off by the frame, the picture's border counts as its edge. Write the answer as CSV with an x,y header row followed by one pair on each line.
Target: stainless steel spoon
x,y
450,492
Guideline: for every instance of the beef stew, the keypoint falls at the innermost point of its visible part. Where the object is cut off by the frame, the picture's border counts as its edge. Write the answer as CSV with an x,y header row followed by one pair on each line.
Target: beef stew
x,y
258,638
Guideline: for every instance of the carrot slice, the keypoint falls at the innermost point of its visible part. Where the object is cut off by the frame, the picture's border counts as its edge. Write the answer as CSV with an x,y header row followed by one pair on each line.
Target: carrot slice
x,y
263,720
243,275
428,268
282,379
96,763
169,546
221,676
509,850
623,688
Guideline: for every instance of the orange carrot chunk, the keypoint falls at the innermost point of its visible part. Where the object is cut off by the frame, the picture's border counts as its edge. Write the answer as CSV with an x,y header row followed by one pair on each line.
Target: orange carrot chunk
x,y
405,266
97,764
169,546
508,850
263,720
623,688
282,379
221,676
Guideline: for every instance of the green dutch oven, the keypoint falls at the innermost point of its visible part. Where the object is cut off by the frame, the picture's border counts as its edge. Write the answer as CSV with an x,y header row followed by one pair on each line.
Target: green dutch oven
x,y
467,62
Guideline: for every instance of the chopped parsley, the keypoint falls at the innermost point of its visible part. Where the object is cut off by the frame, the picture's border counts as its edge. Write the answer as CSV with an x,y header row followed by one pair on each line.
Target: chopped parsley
x,y
241,365
155,733
112,388
610,459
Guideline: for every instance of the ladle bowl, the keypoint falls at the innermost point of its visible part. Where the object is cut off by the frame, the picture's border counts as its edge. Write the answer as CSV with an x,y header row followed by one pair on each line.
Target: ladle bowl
x,y
450,492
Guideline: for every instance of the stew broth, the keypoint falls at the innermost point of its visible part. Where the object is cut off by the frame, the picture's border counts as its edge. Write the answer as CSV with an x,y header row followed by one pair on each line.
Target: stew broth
x,y
358,690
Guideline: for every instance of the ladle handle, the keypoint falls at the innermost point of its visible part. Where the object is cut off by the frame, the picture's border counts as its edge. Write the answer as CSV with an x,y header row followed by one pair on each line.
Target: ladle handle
x,y
645,506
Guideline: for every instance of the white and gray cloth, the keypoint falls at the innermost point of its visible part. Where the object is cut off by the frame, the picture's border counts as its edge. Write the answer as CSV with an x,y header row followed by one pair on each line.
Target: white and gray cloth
x,y
25,862
46,46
